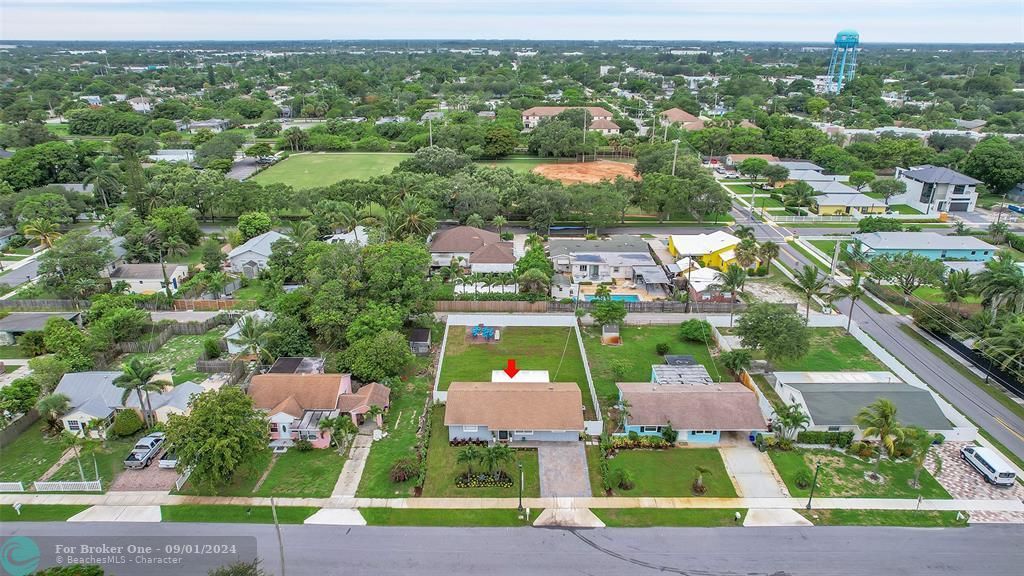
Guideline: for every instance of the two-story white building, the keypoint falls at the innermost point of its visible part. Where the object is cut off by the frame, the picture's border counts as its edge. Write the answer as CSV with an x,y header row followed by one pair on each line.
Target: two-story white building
x,y
625,261
933,189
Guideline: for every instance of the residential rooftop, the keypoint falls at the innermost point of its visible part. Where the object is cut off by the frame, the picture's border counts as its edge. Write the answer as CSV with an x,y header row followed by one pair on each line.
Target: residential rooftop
x,y
920,241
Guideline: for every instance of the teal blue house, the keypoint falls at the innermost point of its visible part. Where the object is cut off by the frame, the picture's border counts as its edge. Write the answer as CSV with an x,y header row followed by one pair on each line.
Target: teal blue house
x,y
692,403
928,244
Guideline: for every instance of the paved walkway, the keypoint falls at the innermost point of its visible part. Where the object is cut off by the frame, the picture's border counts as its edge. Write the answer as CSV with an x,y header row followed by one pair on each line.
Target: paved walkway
x,y
752,472
563,470
163,498
352,471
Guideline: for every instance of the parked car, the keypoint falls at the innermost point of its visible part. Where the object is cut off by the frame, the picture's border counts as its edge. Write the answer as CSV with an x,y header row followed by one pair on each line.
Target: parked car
x,y
989,464
169,459
145,451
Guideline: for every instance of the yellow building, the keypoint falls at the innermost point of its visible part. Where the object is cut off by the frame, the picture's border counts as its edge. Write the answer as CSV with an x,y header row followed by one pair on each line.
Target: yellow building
x,y
717,249
845,204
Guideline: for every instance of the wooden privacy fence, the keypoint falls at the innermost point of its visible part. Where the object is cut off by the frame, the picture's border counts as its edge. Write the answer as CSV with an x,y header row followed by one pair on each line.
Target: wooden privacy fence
x,y
16,427
490,306
169,331
213,305
42,304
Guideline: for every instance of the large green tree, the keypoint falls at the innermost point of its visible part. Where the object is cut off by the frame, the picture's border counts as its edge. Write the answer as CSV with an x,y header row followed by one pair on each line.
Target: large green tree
x,y
776,329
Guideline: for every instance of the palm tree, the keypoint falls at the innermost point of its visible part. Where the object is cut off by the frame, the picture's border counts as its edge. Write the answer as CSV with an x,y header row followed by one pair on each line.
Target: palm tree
x,y
742,231
921,443
767,252
958,285
747,252
41,230
303,231
736,360
475,220
533,281
496,455
415,221
374,413
254,336
1006,347
878,420
216,282
792,419
998,231
51,408
698,482
854,291
798,194
137,376
809,283
732,280
175,246
1002,282
104,182
499,221
468,456
345,217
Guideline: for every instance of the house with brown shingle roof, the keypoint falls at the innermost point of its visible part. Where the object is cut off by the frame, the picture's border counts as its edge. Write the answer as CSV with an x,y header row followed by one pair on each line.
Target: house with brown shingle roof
x,y
296,403
700,410
514,411
533,116
605,127
475,248
676,116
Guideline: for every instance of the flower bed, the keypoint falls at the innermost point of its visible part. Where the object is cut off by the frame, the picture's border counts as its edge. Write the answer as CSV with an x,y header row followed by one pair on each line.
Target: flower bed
x,y
498,479
639,443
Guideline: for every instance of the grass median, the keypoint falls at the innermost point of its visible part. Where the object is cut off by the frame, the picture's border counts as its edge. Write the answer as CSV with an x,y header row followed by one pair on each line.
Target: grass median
x,y
231,514
479,518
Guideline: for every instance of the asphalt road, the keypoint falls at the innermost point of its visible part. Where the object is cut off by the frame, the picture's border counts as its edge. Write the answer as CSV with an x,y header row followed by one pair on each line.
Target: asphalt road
x,y
818,551
985,411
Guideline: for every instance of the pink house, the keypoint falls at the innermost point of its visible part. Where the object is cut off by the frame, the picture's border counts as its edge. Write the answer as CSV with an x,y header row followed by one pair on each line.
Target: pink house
x,y
296,403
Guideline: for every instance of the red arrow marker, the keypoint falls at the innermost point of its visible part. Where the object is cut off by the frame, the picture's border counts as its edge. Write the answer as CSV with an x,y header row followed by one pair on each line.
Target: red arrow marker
x,y
511,369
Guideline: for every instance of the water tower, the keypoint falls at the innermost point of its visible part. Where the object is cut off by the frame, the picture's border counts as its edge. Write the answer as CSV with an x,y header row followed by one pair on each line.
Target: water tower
x,y
843,64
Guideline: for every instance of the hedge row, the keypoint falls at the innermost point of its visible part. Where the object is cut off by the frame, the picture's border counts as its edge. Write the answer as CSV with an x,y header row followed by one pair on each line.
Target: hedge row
x,y
841,439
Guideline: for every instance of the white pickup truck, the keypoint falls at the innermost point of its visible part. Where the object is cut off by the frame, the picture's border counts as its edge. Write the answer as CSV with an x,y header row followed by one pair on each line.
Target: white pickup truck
x,y
145,451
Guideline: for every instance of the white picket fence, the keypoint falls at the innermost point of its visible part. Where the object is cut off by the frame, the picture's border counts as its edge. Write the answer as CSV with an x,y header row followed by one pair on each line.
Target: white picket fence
x,y
12,487
182,478
92,486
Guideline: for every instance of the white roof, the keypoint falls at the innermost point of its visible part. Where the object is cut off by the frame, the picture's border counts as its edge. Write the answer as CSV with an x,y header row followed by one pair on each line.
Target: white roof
x,y
259,315
259,244
702,244
521,376
846,200
836,377
831,187
701,279
921,241
687,263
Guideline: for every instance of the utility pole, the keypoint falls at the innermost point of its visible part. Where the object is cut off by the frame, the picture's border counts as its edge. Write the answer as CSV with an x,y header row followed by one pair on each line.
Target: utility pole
x,y
430,127
835,258
280,541
999,215
675,154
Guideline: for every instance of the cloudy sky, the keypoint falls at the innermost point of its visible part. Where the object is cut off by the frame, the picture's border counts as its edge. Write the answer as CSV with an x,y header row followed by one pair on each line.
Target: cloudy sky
x,y
785,20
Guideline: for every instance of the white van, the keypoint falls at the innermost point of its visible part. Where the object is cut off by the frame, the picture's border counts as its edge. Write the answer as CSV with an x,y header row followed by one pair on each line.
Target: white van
x,y
992,467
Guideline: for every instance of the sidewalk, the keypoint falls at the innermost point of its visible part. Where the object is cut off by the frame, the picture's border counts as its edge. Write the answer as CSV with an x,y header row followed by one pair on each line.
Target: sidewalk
x,y
164,499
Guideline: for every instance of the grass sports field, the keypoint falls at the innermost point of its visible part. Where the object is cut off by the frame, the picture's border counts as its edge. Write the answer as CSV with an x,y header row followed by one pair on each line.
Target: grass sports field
x,y
315,170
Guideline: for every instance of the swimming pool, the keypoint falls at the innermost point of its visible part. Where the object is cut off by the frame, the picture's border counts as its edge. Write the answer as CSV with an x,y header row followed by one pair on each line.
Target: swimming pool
x,y
619,297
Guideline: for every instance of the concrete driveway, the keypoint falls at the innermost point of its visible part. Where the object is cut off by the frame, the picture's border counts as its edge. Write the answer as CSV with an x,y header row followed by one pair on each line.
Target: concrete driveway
x,y
563,469
752,472
149,479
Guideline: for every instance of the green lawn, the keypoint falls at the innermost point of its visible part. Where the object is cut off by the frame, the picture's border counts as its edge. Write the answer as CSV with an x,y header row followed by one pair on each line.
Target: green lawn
x,y
222,513
179,354
911,518
828,246
29,456
766,202
904,209
40,512
242,484
533,348
487,517
664,473
637,353
317,170
253,290
934,294
810,257
669,517
9,352
742,189
843,476
106,456
401,422
830,350
442,468
310,474
769,392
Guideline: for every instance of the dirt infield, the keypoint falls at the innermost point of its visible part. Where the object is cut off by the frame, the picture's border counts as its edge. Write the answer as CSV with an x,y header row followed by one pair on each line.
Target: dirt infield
x,y
586,172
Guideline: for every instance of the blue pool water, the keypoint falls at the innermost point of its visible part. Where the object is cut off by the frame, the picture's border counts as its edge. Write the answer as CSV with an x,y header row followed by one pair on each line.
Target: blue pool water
x,y
619,297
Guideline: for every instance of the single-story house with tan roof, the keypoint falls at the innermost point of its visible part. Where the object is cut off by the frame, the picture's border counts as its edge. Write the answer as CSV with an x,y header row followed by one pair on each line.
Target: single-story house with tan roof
x,y
533,116
514,411
497,257
295,404
605,127
681,117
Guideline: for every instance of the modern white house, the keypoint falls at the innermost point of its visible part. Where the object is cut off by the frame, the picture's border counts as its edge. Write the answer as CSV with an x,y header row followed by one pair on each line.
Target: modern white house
x,y
149,278
625,261
932,189
250,258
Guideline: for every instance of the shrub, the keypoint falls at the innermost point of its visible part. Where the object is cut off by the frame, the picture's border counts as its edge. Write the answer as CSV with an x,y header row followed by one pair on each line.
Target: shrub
x,y
662,348
211,349
620,368
803,479
126,423
507,236
669,434
622,479
633,436
31,344
841,439
303,445
695,331
404,469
